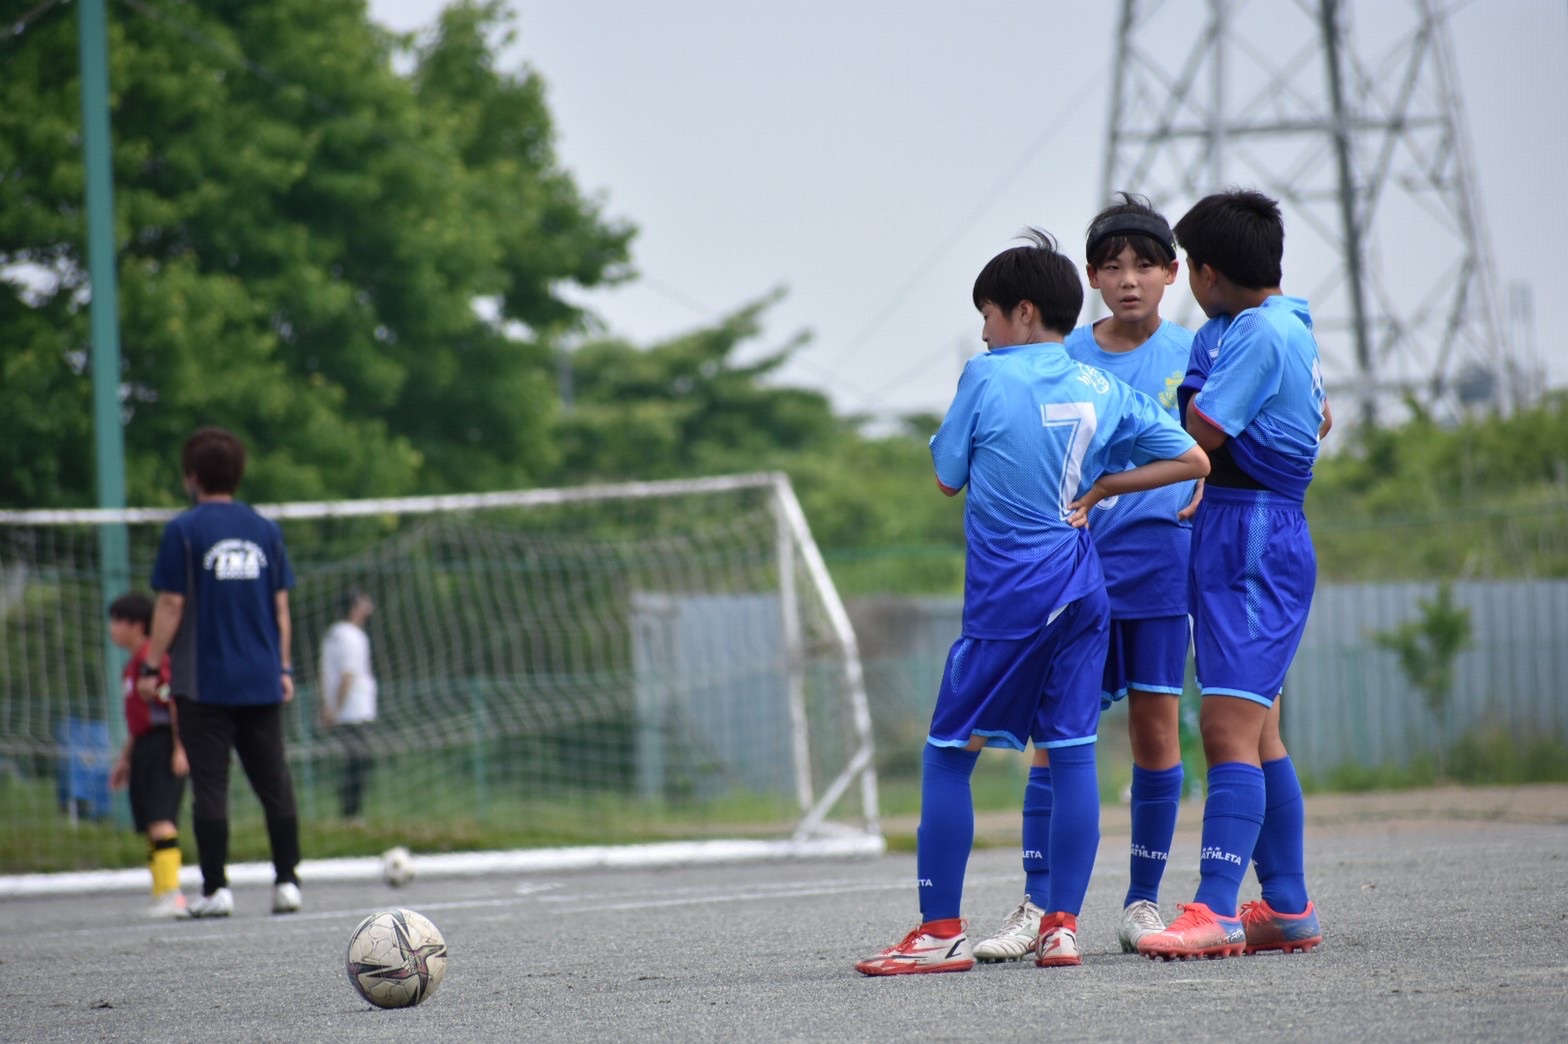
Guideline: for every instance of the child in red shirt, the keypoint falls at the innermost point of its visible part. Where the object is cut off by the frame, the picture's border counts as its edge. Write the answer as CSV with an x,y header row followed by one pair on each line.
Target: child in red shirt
x,y
153,762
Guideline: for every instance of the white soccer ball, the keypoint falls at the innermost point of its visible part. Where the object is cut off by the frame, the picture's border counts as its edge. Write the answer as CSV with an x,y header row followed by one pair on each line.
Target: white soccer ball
x,y
396,958
397,866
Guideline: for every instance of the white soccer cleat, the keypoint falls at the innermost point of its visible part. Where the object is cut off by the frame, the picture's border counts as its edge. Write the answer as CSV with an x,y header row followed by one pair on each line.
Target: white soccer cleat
x,y
1016,938
1058,945
285,898
923,951
1141,918
218,904
170,904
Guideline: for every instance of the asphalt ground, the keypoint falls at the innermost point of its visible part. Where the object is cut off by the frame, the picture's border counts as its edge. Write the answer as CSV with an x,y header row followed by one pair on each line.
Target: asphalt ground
x,y
1445,920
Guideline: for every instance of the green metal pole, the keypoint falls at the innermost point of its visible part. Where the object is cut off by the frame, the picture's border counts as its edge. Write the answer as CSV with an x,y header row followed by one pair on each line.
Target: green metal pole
x,y
113,544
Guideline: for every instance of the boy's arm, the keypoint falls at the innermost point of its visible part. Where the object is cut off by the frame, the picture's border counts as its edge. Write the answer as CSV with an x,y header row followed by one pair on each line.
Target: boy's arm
x,y
177,761
1328,421
1192,505
120,774
167,612
1203,431
1193,464
285,642
954,439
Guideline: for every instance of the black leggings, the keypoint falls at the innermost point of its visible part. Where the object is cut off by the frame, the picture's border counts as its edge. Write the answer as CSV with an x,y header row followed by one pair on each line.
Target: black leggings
x,y
255,733
358,761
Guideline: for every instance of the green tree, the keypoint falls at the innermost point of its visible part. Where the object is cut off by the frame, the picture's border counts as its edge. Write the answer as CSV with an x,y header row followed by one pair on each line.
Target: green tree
x,y
1428,647
303,234
1414,501
688,407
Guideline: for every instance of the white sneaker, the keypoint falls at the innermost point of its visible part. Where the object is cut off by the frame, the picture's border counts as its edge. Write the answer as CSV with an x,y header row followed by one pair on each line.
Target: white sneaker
x,y
1015,938
168,904
1058,945
1140,918
285,897
218,904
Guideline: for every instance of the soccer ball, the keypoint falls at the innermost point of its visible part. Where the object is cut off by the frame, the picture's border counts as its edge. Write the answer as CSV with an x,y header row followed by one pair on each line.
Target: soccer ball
x,y
396,958
397,866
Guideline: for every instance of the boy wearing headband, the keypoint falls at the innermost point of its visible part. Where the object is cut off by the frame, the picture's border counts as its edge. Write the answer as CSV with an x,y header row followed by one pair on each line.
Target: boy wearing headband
x,y
1260,410
1142,540
1039,440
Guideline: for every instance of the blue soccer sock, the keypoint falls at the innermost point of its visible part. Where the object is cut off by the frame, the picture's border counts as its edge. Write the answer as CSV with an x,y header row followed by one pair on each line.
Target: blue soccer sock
x,y
947,829
1232,816
1156,795
1280,856
1037,834
1075,827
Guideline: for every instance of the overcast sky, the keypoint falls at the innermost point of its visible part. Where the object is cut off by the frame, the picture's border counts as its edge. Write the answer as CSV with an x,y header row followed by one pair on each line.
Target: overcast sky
x,y
870,155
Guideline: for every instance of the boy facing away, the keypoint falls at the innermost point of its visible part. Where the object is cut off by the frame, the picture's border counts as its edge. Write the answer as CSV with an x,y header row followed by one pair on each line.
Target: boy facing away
x,y
1260,411
1142,541
152,764
223,576
1031,433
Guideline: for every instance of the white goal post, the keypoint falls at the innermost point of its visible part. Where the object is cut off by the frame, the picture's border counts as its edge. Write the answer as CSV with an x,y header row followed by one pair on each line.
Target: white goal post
x,y
653,671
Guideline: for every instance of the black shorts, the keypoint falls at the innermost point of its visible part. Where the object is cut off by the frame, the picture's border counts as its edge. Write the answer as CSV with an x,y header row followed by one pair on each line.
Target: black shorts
x,y
156,792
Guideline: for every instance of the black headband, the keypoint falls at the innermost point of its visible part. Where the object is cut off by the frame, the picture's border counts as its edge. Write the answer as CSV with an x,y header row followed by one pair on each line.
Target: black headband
x,y
1132,225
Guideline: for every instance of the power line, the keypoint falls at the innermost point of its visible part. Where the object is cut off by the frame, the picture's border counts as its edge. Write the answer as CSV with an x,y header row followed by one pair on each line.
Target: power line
x,y
24,23
1025,160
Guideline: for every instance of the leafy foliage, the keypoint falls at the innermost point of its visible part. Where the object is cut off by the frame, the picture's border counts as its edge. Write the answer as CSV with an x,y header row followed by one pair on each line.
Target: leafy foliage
x,y
686,407
302,236
1428,647
1488,498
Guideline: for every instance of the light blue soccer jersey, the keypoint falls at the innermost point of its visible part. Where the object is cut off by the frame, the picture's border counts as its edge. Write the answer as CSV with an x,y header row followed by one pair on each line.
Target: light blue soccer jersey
x,y
1265,391
1142,544
1028,432
1200,360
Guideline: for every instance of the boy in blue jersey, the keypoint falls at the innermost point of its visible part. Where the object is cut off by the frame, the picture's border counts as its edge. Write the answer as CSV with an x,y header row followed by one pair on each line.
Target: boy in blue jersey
x,y
1260,411
223,578
1142,541
1033,435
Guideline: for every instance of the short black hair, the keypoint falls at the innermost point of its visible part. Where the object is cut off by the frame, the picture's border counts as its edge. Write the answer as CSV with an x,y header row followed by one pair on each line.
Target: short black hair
x,y
350,599
133,607
1037,273
1142,227
216,457
1239,233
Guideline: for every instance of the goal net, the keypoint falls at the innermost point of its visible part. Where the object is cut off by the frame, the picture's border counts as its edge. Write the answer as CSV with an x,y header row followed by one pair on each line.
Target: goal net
x,y
600,666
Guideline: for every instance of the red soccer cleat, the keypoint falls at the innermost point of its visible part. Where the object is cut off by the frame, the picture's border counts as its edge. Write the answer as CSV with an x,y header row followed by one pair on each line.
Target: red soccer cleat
x,y
1198,932
1268,929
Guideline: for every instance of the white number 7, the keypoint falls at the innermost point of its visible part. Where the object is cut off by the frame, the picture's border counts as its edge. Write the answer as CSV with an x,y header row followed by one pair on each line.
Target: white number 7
x,y
1081,419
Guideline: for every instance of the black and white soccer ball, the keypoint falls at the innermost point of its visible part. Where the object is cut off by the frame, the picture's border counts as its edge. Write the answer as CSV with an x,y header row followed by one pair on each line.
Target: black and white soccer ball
x,y
396,958
397,866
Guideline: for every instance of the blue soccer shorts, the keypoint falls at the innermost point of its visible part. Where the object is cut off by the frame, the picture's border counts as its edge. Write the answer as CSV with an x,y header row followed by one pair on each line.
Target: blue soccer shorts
x,y
1043,689
1252,576
1149,655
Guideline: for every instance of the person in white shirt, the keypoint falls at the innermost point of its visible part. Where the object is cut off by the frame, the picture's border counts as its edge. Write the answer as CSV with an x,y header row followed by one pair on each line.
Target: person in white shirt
x,y
348,696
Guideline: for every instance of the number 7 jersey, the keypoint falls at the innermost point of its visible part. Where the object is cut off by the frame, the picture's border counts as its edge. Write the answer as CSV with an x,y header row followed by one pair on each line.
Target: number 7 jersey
x,y
1028,432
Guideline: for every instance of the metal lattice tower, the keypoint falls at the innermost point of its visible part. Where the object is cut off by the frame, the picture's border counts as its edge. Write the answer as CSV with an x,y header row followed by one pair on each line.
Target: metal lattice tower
x,y
1358,130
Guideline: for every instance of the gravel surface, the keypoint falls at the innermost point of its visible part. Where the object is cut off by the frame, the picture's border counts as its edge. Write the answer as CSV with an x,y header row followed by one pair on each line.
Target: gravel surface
x,y
1445,914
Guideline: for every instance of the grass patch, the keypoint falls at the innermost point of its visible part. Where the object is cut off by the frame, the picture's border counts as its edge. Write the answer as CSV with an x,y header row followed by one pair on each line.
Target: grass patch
x,y
1482,757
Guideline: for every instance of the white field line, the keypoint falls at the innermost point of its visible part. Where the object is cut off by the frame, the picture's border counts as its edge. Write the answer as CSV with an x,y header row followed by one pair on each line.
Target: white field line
x,y
471,864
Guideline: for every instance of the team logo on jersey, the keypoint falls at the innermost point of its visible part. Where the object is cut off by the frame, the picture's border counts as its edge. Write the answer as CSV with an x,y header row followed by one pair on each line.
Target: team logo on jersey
x,y
1094,378
1168,396
234,560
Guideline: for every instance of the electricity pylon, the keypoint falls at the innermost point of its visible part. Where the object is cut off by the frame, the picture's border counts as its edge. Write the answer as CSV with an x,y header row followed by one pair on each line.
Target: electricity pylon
x,y
1358,129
